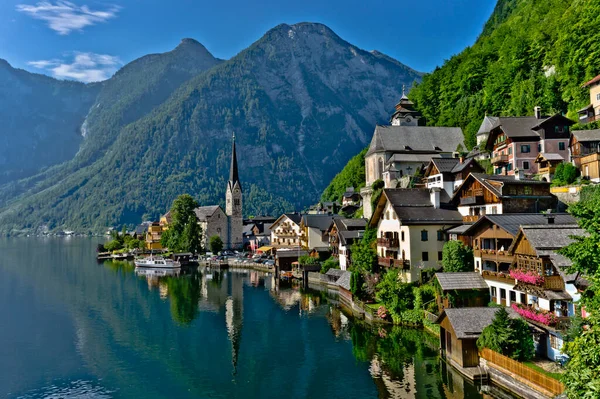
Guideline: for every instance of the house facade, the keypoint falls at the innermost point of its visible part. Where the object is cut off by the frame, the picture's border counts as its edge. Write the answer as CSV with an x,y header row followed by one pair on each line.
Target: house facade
x,y
314,231
411,226
343,233
591,112
213,222
449,173
515,142
585,153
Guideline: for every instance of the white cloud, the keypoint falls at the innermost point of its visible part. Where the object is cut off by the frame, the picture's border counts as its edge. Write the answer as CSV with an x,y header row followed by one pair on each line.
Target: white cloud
x,y
65,17
85,67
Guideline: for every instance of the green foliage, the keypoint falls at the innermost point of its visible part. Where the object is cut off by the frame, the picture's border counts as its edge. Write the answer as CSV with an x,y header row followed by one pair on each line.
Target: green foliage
x,y
184,294
331,263
457,257
113,245
353,175
364,257
530,53
395,294
510,337
184,233
215,244
356,283
308,260
565,173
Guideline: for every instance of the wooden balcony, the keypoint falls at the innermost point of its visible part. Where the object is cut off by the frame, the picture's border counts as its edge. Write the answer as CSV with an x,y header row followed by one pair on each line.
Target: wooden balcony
x,y
286,234
471,218
388,243
498,276
500,159
554,283
403,264
472,200
494,255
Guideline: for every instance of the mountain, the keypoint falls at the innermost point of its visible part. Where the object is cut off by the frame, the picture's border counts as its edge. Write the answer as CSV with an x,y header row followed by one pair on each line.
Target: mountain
x,y
529,53
40,121
300,101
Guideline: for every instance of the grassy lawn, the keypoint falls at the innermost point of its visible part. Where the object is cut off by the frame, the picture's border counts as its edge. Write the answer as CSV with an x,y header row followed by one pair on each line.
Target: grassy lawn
x,y
541,370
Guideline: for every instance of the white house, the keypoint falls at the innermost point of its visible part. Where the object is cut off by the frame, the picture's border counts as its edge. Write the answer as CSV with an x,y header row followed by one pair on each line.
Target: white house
x,y
286,232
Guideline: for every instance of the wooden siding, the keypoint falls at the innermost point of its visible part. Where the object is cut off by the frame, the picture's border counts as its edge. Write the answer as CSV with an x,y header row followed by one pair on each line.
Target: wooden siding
x,y
463,352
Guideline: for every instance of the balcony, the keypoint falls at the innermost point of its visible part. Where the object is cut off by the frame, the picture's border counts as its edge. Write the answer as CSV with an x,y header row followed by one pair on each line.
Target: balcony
x,y
554,283
403,264
472,199
494,255
471,218
498,276
501,159
388,242
286,234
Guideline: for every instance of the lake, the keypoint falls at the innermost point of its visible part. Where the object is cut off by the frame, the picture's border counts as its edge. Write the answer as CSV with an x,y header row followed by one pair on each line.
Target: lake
x,y
72,327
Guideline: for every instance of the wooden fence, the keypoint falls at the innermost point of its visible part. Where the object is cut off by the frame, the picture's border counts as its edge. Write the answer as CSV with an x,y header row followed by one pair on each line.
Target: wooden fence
x,y
533,376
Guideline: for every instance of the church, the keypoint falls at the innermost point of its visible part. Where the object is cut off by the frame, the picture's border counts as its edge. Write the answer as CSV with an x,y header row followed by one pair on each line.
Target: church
x,y
226,224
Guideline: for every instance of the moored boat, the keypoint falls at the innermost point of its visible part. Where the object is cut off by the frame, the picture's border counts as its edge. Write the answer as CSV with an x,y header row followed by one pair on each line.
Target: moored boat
x,y
157,262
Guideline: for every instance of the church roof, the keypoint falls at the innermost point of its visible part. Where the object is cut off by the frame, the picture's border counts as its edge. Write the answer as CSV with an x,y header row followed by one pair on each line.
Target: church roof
x,y
233,171
416,139
203,212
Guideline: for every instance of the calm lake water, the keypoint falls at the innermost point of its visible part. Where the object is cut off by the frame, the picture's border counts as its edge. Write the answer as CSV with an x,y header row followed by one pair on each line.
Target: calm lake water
x,y
71,327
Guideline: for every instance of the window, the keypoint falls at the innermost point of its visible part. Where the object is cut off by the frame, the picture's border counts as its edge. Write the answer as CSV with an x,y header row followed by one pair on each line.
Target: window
x,y
502,293
477,265
236,202
556,130
555,342
440,256
509,167
494,294
424,235
598,96
525,148
402,235
513,296
387,215
526,165
509,150
494,210
425,256
394,215
523,298
440,235
539,148
561,145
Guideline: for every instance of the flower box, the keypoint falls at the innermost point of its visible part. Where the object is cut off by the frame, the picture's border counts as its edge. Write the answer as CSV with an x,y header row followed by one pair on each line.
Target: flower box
x,y
527,277
544,317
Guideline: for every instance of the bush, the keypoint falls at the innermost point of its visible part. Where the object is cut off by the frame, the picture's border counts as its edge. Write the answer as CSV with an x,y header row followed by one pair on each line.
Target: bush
x,y
510,337
396,295
331,263
457,257
216,244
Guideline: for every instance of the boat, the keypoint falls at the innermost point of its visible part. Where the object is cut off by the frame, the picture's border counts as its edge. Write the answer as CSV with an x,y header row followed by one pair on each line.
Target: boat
x,y
157,262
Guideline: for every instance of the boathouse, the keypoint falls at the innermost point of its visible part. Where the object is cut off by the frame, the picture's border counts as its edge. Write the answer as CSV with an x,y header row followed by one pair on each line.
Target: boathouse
x,y
461,290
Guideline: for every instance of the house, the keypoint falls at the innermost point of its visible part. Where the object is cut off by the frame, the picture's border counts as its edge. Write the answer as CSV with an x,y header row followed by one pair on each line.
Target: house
x,y
343,233
546,165
320,253
314,230
449,173
515,142
257,232
213,222
461,290
482,194
141,230
351,197
285,231
488,123
591,112
324,208
585,153
411,225
459,330
284,258
399,151
546,291
153,235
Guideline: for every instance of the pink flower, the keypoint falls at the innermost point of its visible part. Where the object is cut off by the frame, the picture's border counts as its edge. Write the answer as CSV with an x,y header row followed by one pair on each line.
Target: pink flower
x,y
382,312
541,316
527,277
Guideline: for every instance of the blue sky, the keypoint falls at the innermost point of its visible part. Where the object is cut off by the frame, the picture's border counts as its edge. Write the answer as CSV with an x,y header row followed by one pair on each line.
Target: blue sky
x,y
88,40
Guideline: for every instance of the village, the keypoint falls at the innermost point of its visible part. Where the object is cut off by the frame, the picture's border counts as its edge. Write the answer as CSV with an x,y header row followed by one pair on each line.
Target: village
x,y
497,213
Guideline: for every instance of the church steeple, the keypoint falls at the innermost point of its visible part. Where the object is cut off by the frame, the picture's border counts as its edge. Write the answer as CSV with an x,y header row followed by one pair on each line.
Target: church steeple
x,y
233,171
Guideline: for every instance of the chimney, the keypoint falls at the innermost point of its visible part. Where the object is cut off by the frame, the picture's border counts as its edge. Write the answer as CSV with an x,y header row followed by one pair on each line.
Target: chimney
x,y
549,216
434,196
537,111
519,174
461,159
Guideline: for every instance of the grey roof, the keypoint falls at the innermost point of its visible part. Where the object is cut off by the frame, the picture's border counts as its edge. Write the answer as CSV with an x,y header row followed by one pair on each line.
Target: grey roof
x,y
334,272
247,229
445,165
294,217
292,253
344,280
466,163
321,249
488,123
511,222
353,224
485,179
551,156
461,281
551,237
459,229
468,323
408,157
416,138
346,236
587,135
519,126
203,212
321,222
413,206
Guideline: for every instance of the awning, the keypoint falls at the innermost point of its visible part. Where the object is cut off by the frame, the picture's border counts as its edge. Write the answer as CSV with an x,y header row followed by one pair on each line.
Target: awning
x,y
264,249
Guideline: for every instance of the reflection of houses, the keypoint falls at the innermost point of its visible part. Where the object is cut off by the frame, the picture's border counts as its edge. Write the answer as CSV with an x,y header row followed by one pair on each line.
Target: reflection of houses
x,y
285,232
314,231
449,173
585,152
515,142
411,226
399,151
459,330
482,194
342,234
461,290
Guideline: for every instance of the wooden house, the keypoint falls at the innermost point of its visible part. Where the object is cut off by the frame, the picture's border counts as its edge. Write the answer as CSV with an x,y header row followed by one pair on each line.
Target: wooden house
x,y
461,290
546,165
449,173
342,233
585,153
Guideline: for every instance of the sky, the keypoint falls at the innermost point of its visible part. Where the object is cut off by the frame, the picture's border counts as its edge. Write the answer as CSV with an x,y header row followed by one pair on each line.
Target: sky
x,y
88,40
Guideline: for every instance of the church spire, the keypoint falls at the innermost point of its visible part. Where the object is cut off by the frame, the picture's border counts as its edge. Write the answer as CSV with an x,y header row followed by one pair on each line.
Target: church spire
x,y
233,172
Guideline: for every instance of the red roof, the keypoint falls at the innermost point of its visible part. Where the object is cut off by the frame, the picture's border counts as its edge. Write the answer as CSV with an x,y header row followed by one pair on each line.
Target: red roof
x,y
596,79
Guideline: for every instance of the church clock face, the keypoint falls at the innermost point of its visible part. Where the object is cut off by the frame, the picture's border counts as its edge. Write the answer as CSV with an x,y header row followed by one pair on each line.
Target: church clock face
x,y
237,191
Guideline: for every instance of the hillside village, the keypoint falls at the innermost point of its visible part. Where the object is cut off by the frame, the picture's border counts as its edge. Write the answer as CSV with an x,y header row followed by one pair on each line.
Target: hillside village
x,y
502,201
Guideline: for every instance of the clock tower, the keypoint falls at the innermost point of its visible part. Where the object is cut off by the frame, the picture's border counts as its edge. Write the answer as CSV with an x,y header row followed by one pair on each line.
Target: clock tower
x,y
233,204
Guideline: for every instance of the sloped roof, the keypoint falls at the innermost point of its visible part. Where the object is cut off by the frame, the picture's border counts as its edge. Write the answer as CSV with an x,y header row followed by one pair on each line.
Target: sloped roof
x,y
587,135
320,222
459,229
203,212
408,157
470,162
292,253
413,206
415,139
334,272
346,236
592,81
511,222
551,237
461,281
488,123
445,165
468,323
485,180
344,280
354,224
519,126
548,156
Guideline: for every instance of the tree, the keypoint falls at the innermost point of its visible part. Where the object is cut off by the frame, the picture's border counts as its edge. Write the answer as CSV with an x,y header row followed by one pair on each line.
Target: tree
x,y
565,173
356,283
457,257
364,256
308,260
395,294
510,337
216,244
184,232
331,263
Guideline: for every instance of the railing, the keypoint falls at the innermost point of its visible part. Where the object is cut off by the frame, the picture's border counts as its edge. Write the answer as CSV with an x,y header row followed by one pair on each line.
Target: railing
x,y
286,234
532,377
388,242
497,276
399,263
494,255
555,283
499,159
547,170
430,316
471,218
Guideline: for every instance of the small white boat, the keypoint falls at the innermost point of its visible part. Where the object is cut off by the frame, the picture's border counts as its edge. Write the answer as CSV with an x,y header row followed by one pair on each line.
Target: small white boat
x,y
157,262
